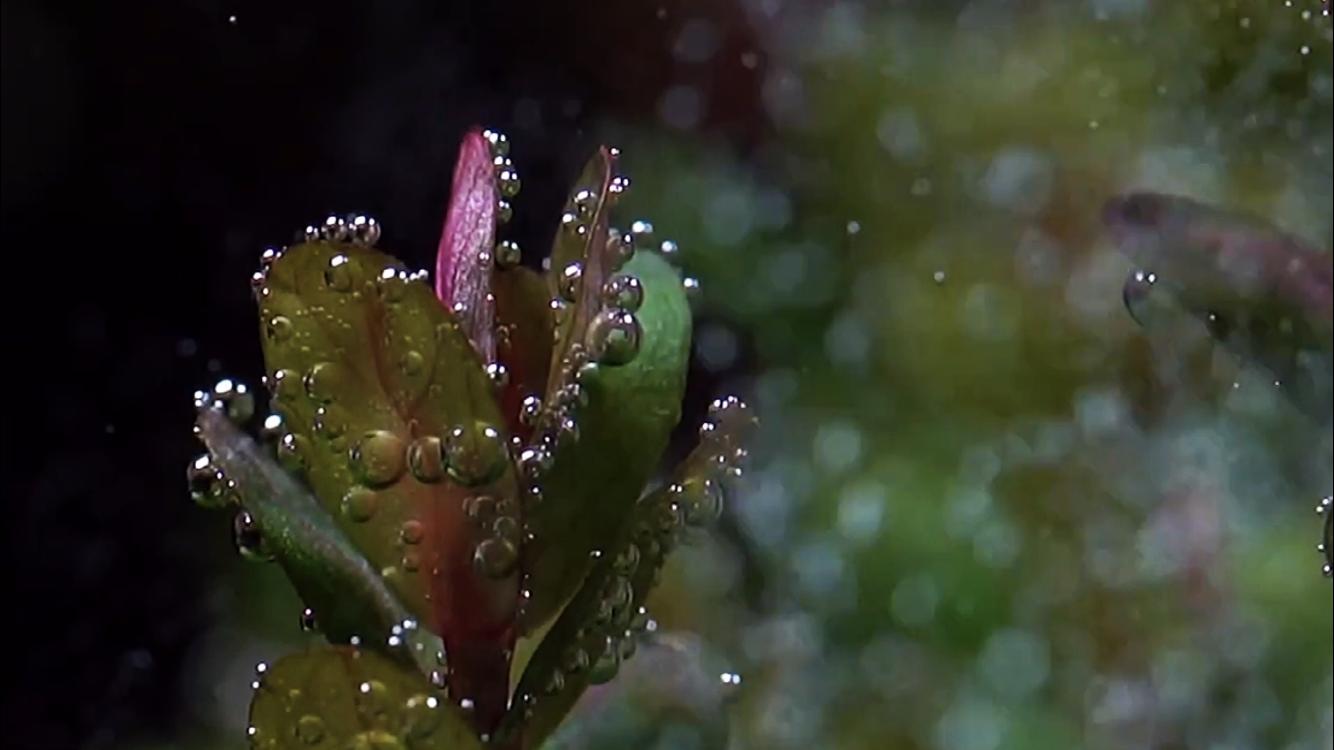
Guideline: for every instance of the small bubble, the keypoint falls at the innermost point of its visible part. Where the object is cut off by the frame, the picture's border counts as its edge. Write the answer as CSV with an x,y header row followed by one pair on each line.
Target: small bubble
x,y
701,500
504,212
499,143
498,374
508,182
208,487
422,715
279,328
412,363
508,254
475,455
412,532
426,459
307,620
607,664
691,287
613,337
570,276
248,539
530,410
495,558
534,461
310,729
938,277
378,457
623,292
323,381
359,504
338,276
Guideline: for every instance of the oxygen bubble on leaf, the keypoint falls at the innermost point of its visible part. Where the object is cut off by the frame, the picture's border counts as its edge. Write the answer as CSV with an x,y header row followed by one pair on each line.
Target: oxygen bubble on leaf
x,y
613,337
236,400
364,230
498,374
504,212
247,538
623,292
324,381
534,461
307,620
426,459
475,455
378,457
359,504
701,499
497,141
495,558
338,276
279,328
207,484
508,254
670,250
292,452
570,276
508,182
530,410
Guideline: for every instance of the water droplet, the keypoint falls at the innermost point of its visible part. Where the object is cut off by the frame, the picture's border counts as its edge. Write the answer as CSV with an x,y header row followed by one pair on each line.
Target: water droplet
x,y
364,230
475,455
701,500
359,504
508,182
607,664
570,276
279,328
495,558
310,729
1137,292
334,229
623,292
613,337
422,714
426,459
373,699
534,461
411,363
338,276
498,374
392,284
248,539
499,143
208,487
235,398
481,509
412,532
530,410
307,620
378,457
508,254
292,449
324,381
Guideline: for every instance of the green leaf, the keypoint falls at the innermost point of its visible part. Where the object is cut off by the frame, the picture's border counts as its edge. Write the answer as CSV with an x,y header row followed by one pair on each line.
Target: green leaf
x,y
623,429
393,422
347,699
349,597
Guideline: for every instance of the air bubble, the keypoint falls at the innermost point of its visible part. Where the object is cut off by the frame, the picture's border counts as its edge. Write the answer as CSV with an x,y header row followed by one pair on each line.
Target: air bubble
x,y
338,276
412,363
412,532
208,487
641,233
359,504
570,276
504,212
310,729
623,292
499,143
292,452
534,461
508,254
286,385
1136,293
498,374
329,422
307,620
422,715
530,410
495,558
235,399
608,662
476,455
613,337
364,230
701,501
272,429
691,286
426,459
279,328
248,539
378,457
323,381
508,182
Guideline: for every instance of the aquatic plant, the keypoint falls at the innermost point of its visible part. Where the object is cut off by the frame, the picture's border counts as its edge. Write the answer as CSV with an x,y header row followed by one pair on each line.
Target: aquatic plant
x,y
459,481
1262,293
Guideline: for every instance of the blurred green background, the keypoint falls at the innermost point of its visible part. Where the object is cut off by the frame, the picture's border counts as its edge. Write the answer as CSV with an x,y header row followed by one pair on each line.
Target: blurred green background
x,y
986,510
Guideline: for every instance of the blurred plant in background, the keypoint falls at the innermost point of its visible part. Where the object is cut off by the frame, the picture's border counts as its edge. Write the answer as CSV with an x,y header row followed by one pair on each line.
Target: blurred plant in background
x,y
987,511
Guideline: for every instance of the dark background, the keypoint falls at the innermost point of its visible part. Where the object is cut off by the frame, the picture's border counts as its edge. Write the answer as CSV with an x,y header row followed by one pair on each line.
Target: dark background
x,y
151,151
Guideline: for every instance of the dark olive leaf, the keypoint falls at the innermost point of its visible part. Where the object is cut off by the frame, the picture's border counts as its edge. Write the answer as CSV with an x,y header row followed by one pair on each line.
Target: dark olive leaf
x,y
331,576
394,424
623,428
618,567
343,698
